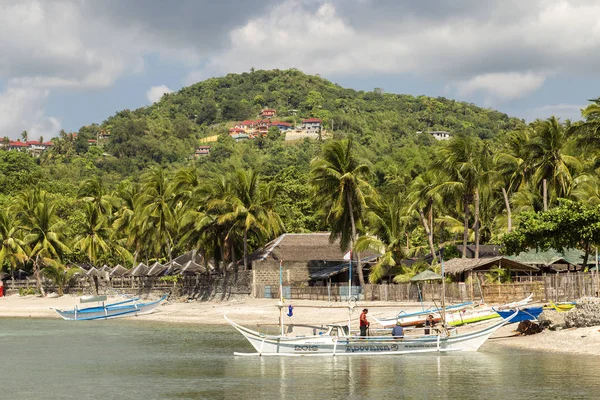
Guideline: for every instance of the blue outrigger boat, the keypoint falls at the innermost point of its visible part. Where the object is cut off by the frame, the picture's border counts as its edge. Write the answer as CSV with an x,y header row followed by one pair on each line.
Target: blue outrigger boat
x,y
126,308
524,314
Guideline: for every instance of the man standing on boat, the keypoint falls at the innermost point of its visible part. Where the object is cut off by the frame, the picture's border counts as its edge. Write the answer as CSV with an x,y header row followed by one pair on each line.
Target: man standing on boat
x,y
364,323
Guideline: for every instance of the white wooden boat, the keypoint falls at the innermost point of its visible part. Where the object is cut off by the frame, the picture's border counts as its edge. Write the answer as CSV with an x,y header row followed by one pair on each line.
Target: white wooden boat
x,y
338,342
126,308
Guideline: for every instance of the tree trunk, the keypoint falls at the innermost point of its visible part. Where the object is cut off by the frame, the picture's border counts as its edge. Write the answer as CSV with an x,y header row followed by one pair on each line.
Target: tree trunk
x,y
429,235
545,194
245,249
361,278
38,278
430,216
508,211
233,260
476,222
466,231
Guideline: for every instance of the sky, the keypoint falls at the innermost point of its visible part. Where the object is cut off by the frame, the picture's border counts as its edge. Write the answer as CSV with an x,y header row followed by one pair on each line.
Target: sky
x,y
68,63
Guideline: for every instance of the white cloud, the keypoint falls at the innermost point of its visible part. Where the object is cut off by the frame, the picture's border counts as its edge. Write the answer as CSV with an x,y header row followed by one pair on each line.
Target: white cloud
x,y
155,93
504,49
506,86
23,109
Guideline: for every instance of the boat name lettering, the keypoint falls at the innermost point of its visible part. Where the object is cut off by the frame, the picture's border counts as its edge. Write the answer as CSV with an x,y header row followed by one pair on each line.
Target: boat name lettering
x,y
306,348
354,349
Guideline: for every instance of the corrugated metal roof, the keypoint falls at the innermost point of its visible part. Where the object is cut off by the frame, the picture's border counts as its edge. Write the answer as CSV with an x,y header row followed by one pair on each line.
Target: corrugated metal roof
x,y
551,256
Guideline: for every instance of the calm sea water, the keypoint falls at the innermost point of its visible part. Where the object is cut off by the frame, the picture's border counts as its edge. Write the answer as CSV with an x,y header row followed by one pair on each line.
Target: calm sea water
x,y
55,359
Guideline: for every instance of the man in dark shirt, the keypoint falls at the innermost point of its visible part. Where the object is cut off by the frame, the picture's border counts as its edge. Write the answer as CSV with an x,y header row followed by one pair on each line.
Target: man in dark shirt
x,y
398,331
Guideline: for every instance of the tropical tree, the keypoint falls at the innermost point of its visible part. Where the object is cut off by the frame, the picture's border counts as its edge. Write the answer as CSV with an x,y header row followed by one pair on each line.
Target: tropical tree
x,y
553,150
157,216
340,183
463,160
422,197
386,220
94,233
93,191
42,228
11,245
252,208
59,274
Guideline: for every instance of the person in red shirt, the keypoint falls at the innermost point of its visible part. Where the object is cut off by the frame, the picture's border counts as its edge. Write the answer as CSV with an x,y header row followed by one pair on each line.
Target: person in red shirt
x,y
364,323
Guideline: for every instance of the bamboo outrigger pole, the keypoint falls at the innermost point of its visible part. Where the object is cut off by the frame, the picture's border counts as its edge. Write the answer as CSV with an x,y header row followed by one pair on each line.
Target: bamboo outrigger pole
x,y
281,296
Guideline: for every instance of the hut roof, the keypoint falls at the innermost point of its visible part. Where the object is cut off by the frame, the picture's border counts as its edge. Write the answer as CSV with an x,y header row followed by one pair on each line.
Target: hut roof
x,y
93,272
427,275
550,257
191,267
140,270
156,269
191,255
119,270
302,247
459,265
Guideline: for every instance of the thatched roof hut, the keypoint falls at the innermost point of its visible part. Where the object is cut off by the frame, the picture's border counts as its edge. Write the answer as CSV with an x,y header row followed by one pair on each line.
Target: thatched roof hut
x,y
119,270
156,269
460,265
140,270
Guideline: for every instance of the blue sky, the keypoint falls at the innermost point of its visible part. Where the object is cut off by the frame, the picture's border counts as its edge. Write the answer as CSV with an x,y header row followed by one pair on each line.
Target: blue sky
x,y
68,63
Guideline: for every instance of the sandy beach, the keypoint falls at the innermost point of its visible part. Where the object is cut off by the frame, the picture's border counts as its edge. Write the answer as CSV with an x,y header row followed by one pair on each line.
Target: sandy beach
x,y
252,312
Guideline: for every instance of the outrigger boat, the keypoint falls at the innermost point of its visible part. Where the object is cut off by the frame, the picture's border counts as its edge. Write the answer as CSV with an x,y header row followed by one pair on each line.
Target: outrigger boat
x,y
337,341
525,314
456,315
126,308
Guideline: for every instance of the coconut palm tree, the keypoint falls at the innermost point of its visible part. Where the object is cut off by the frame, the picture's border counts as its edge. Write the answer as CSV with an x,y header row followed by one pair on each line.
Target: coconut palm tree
x,y
463,160
93,237
386,221
340,183
422,196
11,245
93,191
157,212
553,149
252,208
59,274
42,229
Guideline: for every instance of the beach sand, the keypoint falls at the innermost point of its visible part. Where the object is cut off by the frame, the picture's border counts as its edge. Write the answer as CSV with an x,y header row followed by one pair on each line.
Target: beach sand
x,y
253,312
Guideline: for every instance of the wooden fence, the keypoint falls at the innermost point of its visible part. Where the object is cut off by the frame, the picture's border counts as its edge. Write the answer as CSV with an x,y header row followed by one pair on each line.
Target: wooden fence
x,y
552,287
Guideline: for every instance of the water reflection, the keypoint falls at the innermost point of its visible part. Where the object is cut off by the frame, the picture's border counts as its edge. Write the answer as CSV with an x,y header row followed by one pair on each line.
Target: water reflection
x,y
132,360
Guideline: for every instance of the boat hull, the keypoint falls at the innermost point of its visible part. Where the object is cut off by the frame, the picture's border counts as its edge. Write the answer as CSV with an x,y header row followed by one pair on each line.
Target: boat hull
x,y
110,311
350,346
526,314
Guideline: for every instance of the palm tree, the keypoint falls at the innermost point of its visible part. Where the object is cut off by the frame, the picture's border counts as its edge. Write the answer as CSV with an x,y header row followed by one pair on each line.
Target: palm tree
x,y
552,148
25,136
42,231
93,235
388,227
463,160
125,228
422,195
157,214
11,245
252,208
339,181
93,191
59,274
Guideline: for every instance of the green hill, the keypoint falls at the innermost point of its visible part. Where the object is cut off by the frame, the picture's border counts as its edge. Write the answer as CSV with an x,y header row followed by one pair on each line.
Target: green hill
x,y
168,130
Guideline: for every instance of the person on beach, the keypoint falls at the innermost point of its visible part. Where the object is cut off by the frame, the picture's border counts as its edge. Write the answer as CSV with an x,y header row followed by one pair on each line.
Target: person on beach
x,y
364,323
429,323
398,331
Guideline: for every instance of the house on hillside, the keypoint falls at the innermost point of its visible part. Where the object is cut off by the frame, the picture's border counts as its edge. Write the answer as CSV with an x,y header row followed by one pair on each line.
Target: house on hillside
x,y
306,258
283,126
202,151
440,135
312,126
268,113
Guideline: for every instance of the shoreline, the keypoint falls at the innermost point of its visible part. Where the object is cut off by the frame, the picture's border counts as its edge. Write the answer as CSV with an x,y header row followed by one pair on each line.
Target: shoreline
x,y
264,312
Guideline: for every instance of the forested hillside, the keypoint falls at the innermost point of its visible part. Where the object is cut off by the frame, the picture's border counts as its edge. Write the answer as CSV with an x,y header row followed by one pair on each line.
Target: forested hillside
x,y
380,181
